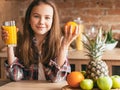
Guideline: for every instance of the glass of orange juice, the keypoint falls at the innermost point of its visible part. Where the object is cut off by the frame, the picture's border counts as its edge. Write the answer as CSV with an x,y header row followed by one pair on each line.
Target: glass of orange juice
x,y
10,27
78,41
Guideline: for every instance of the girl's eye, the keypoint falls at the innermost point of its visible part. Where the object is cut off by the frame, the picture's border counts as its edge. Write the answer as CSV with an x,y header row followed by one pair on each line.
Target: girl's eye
x,y
36,16
48,18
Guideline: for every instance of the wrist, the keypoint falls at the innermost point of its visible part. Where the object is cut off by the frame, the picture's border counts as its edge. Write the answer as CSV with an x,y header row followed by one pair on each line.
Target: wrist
x,y
64,50
65,47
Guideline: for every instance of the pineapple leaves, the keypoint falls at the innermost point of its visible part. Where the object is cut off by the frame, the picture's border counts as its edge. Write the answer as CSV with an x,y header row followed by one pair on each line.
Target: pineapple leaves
x,y
90,44
95,46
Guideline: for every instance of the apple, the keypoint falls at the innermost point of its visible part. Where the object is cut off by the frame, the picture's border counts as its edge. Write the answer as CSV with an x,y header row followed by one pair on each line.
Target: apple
x,y
104,83
86,84
84,73
116,81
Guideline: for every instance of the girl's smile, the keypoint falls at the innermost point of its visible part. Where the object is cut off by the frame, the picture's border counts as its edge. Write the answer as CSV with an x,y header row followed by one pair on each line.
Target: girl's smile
x,y
40,27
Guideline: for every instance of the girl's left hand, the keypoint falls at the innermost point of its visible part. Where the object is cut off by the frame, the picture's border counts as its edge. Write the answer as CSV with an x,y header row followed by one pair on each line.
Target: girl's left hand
x,y
69,36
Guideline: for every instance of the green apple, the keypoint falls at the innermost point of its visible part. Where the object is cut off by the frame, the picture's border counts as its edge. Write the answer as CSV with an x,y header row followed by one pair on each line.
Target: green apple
x,y
104,83
84,73
86,84
116,81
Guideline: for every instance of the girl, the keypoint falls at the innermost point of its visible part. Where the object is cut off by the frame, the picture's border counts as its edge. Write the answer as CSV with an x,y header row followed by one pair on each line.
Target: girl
x,y
41,53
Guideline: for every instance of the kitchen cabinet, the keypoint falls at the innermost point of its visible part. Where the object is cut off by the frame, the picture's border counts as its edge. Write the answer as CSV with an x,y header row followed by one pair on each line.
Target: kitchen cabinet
x,y
79,60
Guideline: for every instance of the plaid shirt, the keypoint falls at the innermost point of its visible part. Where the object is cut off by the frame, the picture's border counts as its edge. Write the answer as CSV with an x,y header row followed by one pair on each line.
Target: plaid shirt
x,y
16,71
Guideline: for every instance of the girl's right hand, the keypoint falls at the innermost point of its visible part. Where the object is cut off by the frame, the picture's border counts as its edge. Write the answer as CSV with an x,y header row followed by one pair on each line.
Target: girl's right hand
x,y
4,34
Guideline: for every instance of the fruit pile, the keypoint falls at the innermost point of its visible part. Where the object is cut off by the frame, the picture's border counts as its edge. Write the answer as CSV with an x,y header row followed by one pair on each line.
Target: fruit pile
x,y
97,73
78,80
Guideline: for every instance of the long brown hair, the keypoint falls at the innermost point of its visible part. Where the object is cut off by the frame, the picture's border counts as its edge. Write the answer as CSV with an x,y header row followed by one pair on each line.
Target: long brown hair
x,y
26,51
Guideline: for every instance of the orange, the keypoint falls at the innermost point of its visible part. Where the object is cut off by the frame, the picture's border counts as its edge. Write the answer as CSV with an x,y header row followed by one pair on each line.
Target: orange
x,y
71,24
74,78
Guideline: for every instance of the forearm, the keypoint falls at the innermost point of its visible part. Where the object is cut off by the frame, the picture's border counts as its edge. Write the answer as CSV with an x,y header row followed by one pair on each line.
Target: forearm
x,y
10,54
14,71
62,56
56,73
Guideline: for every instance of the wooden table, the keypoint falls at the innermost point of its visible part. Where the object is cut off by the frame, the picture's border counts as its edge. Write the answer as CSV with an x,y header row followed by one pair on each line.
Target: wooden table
x,y
78,58
39,85
33,85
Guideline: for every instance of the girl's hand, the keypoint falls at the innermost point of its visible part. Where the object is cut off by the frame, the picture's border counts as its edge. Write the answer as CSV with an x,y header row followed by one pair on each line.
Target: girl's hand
x,y
69,36
4,34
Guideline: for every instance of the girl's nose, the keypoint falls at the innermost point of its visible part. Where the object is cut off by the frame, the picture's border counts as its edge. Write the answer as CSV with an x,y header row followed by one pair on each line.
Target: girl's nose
x,y
41,21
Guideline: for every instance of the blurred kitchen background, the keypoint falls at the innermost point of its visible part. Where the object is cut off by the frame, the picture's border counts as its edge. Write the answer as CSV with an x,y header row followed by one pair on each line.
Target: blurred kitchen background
x,y
105,13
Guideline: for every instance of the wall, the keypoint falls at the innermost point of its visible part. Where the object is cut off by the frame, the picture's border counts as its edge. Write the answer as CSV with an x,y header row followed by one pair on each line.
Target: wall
x,y
7,12
12,10
98,12
105,13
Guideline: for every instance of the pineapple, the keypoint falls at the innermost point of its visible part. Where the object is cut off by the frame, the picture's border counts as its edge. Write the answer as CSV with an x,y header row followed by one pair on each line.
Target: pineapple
x,y
95,48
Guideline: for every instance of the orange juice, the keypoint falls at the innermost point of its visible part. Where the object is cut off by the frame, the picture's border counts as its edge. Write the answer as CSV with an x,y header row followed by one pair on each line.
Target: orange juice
x,y
79,44
11,29
78,41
